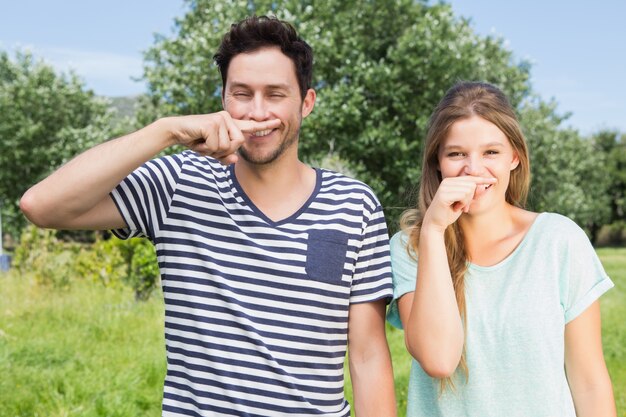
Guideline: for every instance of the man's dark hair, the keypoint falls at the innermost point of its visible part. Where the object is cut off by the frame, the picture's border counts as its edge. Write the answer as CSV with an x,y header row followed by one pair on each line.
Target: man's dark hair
x,y
254,33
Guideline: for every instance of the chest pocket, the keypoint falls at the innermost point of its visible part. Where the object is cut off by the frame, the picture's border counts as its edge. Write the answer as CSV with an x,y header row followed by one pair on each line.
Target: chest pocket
x,y
326,255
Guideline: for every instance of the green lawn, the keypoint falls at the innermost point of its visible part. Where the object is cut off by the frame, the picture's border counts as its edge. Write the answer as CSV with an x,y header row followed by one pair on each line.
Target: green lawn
x,y
613,305
93,351
87,351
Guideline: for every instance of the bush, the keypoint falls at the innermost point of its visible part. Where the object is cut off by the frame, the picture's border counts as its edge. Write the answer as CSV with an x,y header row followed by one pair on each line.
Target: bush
x,y
46,257
110,262
613,234
142,270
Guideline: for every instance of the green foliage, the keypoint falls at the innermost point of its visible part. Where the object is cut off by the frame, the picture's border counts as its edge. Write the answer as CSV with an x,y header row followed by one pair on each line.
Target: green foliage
x,y
567,170
111,262
613,234
142,270
48,259
101,262
46,119
613,145
380,68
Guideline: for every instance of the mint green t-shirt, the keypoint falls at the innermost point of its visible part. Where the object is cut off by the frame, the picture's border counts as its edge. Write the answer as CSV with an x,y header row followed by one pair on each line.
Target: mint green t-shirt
x,y
516,316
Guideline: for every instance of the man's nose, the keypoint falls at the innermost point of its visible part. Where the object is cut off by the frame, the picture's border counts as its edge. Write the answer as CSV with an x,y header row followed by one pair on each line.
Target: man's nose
x,y
259,110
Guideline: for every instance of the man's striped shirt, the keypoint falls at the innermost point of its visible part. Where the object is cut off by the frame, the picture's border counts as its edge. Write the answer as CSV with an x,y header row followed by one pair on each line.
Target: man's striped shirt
x,y
256,311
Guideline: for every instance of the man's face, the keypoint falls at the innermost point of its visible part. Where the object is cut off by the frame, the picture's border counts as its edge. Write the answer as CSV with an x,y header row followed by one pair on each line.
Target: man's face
x,y
262,85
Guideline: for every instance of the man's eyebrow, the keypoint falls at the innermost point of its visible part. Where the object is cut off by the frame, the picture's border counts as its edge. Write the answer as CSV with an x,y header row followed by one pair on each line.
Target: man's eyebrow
x,y
277,86
236,84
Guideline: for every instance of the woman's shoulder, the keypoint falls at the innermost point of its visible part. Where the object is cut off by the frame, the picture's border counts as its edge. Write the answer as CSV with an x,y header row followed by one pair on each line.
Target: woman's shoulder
x,y
557,229
556,222
400,238
400,246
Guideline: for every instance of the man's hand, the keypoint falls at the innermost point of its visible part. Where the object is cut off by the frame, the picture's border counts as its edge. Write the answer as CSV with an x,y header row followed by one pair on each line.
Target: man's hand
x,y
217,135
76,196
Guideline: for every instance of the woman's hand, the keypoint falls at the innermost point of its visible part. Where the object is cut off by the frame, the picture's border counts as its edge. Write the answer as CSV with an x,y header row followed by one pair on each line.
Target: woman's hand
x,y
453,198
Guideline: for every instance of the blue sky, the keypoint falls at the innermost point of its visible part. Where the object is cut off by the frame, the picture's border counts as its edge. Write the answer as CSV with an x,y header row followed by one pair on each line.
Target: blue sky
x,y
577,49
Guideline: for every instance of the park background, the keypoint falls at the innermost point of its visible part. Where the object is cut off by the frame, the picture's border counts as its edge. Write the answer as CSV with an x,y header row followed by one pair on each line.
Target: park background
x,y
80,313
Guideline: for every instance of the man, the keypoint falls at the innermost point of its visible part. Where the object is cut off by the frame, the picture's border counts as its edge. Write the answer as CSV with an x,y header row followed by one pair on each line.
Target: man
x,y
269,268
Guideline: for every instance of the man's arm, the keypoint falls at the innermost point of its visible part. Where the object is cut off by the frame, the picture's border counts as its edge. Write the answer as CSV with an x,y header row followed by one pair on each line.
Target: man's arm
x,y
76,196
586,370
370,362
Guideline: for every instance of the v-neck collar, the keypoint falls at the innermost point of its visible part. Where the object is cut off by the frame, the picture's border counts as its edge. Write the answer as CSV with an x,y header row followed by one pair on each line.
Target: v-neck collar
x,y
260,214
528,236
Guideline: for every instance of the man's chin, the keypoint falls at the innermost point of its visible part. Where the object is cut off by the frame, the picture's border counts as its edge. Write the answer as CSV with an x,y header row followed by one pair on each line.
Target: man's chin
x,y
257,158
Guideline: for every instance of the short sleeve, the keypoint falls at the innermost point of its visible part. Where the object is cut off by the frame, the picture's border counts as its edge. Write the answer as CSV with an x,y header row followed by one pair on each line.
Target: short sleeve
x,y
404,273
583,279
371,280
143,197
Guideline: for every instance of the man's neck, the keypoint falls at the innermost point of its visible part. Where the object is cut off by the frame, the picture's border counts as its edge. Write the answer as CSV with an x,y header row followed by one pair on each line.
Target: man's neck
x,y
278,189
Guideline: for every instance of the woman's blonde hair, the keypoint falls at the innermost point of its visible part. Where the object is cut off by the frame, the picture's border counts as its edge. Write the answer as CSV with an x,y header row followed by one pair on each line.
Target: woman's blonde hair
x,y
464,100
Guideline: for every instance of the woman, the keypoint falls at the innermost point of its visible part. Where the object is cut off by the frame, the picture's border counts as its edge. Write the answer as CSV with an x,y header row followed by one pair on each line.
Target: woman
x,y
503,318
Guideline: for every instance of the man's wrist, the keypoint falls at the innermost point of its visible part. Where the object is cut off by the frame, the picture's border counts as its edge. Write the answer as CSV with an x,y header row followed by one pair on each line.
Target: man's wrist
x,y
162,132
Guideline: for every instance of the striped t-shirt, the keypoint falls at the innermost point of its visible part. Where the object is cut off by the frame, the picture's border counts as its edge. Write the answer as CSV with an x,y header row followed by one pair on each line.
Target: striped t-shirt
x,y
256,311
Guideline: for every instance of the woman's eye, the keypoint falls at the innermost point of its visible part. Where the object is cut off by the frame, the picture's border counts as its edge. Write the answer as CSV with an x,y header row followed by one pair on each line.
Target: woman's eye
x,y
491,152
456,154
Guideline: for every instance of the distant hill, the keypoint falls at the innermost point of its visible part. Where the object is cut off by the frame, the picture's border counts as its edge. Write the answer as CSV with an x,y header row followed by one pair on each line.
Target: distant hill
x,y
124,105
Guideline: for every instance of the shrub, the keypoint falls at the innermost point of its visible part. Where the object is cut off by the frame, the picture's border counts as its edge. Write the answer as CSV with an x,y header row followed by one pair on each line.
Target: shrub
x,y
47,258
110,261
613,234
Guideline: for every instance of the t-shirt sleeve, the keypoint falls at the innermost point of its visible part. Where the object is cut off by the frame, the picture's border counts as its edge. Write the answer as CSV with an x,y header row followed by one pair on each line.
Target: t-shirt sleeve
x,y
404,272
583,279
143,198
372,274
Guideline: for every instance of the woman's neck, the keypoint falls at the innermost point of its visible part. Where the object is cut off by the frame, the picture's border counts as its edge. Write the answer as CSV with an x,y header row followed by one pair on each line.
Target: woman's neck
x,y
492,236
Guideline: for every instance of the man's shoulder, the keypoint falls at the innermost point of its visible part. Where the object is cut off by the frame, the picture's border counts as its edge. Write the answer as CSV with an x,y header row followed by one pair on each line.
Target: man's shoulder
x,y
192,160
337,182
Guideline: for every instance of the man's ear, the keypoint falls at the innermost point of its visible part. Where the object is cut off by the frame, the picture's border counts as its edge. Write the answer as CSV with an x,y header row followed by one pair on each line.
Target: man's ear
x,y
309,102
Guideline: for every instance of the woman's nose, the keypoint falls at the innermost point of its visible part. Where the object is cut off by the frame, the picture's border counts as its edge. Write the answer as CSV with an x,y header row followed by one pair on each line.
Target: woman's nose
x,y
474,166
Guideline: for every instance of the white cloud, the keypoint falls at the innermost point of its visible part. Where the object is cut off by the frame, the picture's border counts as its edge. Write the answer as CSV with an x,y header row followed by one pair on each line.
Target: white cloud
x,y
106,73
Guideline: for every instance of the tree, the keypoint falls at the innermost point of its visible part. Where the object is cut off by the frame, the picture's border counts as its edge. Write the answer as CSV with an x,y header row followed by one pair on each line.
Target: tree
x,y
567,170
46,119
380,69
612,143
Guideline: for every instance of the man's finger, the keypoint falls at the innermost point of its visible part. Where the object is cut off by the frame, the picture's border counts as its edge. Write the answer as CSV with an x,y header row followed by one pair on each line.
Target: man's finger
x,y
223,142
252,126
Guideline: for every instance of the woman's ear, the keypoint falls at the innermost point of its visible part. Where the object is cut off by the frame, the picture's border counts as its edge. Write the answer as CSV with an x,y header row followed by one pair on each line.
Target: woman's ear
x,y
514,161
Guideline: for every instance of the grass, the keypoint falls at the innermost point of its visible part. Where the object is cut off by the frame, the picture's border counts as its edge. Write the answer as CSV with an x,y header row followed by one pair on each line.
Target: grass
x,y
613,306
87,351
94,351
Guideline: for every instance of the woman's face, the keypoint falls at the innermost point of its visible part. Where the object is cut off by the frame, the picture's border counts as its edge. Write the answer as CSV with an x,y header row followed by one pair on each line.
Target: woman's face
x,y
477,147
